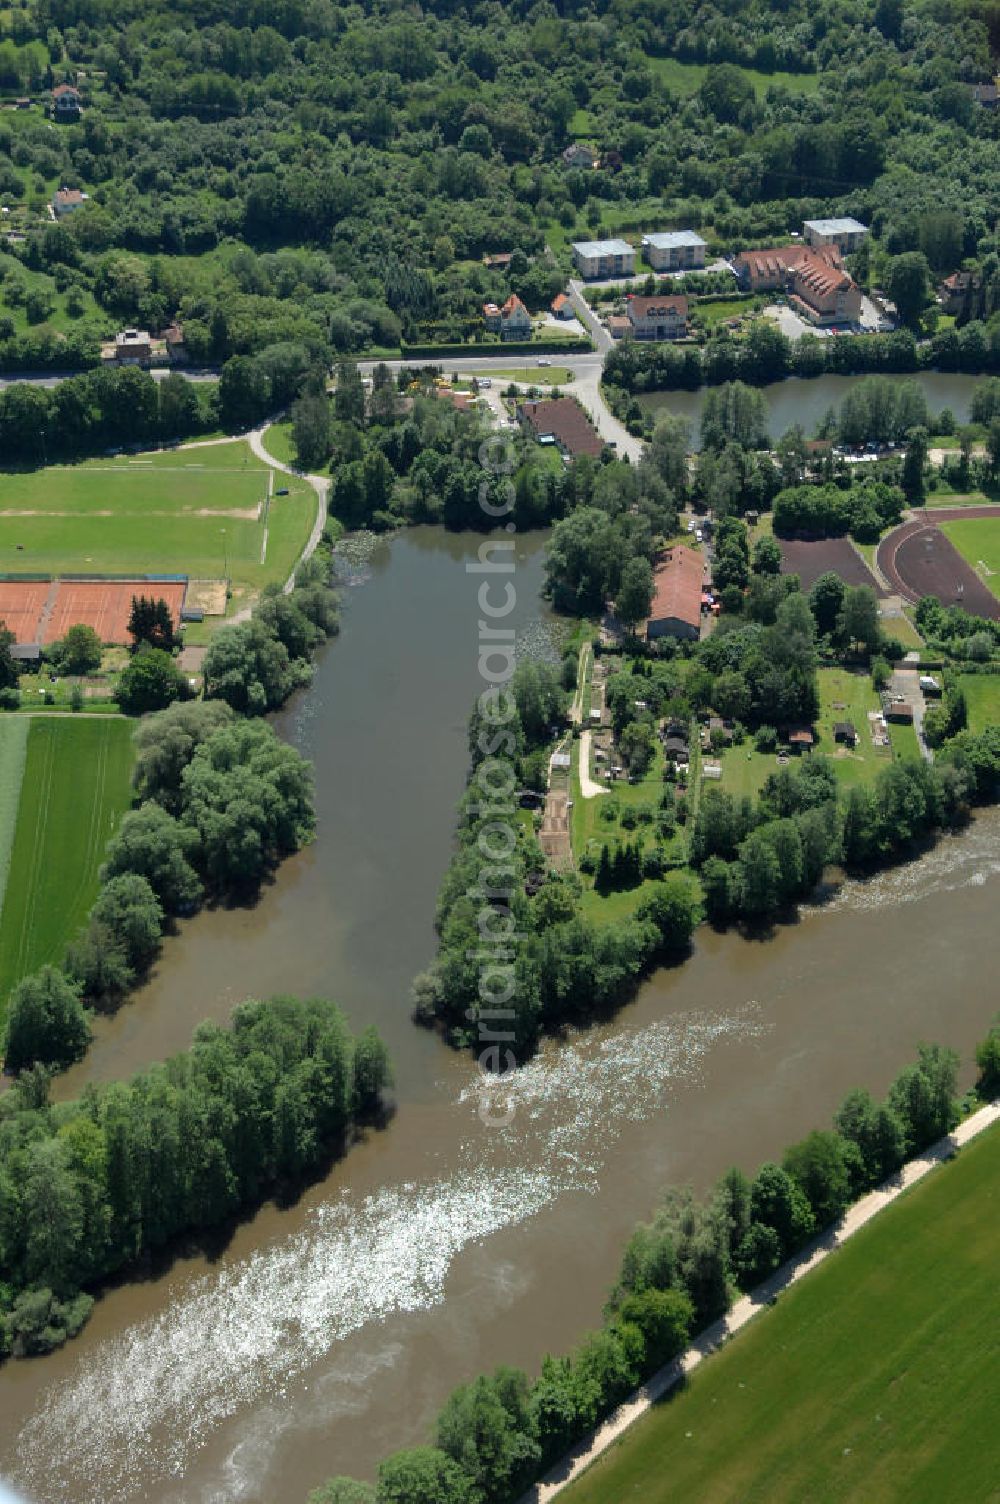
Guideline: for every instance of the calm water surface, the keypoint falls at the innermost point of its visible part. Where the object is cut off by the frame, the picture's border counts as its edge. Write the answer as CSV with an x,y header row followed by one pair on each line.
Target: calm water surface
x,y
807,402
328,1333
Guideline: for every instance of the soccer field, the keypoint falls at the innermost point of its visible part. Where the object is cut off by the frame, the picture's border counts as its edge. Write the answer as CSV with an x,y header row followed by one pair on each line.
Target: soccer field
x,y
873,1379
203,512
74,789
978,541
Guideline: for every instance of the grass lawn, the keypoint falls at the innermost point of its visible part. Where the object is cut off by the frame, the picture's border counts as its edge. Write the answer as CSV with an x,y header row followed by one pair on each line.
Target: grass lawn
x,y
904,741
529,376
278,443
846,696
200,512
13,750
978,541
982,696
74,791
712,311
902,628
744,770
687,78
872,1379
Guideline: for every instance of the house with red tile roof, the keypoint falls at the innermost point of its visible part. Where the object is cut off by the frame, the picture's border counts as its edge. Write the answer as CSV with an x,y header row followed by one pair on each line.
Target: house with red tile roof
x,y
819,288
677,591
511,320
561,306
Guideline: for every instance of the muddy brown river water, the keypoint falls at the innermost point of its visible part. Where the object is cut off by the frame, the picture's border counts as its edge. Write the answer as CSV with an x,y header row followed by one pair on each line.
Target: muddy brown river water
x,y
327,1333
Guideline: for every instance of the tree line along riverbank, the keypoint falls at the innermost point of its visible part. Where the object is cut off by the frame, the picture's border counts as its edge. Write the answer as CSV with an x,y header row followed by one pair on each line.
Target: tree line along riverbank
x,y
680,1272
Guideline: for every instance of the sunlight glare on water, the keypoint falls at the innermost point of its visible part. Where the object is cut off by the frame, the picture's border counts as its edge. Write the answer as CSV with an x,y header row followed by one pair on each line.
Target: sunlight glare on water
x,y
144,1400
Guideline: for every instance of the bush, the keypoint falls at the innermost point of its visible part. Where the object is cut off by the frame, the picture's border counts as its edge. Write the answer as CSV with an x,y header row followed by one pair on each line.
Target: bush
x,y
45,1022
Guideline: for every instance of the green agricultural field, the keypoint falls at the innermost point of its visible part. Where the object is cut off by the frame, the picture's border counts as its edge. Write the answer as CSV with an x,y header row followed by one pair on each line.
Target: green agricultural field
x,y
873,1379
203,512
687,78
13,749
982,696
978,541
75,788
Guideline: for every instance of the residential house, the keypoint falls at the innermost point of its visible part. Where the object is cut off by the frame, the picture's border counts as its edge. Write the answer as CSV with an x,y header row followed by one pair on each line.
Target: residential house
x,y
845,234
618,326
657,318
561,306
801,739
173,338
578,155
676,606
499,261
133,347
65,200
955,293
899,711
563,422
843,731
511,320
65,102
988,95
604,258
674,251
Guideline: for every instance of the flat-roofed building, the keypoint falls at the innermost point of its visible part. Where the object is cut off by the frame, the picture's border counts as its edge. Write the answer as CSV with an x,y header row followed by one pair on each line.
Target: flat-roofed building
x,y
604,258
677,583
845,234
674,251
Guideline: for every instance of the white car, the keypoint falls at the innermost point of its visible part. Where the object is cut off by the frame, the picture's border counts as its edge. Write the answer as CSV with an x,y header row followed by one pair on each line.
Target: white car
x,y
485,382
542,362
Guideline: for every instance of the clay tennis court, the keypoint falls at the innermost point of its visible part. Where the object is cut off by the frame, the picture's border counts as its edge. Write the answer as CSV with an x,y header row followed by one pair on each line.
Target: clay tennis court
x,y
42,611
917,559
837,556
21,606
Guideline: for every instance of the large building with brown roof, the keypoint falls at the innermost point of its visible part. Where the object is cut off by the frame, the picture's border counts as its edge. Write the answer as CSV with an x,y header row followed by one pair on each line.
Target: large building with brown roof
x,y
820,289
561,421
677,586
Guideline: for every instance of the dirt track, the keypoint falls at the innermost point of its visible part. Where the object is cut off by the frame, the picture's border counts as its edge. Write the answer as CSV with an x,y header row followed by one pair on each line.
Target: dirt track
x,y
917,559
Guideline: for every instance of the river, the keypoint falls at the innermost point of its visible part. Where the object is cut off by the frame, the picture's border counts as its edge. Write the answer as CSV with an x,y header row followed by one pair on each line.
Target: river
x,y
808,401
328,1333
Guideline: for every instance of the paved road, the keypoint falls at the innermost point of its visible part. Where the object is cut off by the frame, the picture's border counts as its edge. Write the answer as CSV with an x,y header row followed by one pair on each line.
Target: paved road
x,y
587,370
668,1378
56,378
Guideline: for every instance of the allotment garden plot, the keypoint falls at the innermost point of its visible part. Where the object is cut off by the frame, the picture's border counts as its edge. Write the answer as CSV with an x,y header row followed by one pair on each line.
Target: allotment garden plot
x,y
73,783
207,513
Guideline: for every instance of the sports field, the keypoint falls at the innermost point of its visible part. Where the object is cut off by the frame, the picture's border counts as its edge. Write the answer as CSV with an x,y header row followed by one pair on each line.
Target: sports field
x,y
978,541
74,790
875,1378
204,512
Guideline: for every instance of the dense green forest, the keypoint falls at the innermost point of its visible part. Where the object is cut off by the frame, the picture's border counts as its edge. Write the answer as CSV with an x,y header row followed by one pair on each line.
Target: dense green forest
x,y
332,174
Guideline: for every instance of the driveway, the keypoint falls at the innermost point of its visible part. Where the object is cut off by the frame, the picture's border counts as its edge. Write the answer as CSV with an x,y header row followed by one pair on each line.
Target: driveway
x,y
906,682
